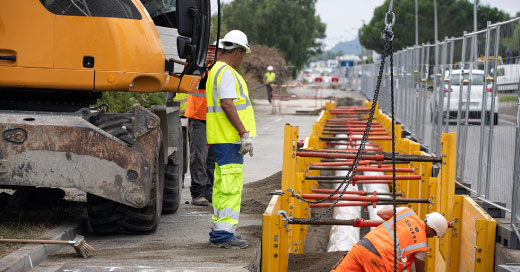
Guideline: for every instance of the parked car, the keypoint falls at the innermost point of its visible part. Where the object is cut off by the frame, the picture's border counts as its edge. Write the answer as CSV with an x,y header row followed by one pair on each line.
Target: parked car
x,y
475,100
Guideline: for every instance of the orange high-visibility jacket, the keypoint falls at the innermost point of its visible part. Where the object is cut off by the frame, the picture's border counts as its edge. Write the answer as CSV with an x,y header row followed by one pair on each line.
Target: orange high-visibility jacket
x,y
197,106
411,238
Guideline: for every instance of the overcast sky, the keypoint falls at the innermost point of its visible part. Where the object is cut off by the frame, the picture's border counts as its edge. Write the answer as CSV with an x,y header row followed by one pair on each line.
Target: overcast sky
x,y
345,17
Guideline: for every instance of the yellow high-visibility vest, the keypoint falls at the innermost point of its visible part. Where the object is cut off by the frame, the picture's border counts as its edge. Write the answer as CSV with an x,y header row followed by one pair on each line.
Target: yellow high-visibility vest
x,y
218,128
270,77
183,99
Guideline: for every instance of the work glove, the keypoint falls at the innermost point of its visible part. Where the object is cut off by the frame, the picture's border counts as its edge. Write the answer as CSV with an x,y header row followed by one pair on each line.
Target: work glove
x,y
246,145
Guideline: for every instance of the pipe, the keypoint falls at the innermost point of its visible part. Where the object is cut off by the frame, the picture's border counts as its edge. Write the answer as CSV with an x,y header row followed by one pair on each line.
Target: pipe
x,y
381,189
379,157
357,204
362,169
371,198
357,177
330,191
344,163
343,238
358,223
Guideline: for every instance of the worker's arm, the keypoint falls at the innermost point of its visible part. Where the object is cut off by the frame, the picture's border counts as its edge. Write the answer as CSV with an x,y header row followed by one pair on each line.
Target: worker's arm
x,y
232,115
386,213
419,265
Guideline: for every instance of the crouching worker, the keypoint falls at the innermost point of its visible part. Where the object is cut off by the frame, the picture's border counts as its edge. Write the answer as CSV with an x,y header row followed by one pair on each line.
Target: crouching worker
x,y
375,252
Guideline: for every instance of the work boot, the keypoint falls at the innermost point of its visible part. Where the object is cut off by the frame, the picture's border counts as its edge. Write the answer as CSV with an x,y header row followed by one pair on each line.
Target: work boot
x,y
199,201
234,243
209,198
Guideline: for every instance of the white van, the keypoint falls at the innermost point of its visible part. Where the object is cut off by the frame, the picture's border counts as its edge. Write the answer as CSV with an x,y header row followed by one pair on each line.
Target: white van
x,y
508,77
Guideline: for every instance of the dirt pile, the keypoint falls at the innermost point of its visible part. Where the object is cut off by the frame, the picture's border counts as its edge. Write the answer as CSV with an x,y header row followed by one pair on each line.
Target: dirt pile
x,y
255,196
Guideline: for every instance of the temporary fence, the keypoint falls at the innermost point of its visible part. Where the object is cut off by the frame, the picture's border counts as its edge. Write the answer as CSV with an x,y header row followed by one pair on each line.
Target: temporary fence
x,y
473,236
468,85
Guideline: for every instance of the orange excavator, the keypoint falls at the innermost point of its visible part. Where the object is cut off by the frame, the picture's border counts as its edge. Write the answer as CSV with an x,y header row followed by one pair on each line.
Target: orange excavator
x,y
57,57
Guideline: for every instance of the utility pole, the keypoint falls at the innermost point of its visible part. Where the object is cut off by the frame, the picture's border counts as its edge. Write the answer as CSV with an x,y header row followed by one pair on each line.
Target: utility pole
x,y
417,22
475,15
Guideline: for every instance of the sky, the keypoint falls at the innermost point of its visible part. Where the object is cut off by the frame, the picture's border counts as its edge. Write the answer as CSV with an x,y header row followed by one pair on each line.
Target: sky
x,y
345,17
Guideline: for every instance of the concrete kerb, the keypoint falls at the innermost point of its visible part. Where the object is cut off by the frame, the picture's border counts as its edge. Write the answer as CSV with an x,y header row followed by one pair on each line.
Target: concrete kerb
x,y
27,257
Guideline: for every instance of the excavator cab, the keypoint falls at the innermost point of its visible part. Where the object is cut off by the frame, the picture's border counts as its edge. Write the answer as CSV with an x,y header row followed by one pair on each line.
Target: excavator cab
x,y
101,45
56,59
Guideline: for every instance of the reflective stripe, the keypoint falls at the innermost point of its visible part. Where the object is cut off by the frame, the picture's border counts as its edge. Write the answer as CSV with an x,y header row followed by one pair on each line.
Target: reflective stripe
x,y
248,103
198,94
215,90
388,227
230,213
219,108
216,108
216,226
412,247
364,242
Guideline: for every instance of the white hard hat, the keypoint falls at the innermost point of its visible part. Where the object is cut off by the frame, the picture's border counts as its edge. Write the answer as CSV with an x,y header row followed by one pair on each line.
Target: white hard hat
x,y
269,68
237,38
219,44
437,222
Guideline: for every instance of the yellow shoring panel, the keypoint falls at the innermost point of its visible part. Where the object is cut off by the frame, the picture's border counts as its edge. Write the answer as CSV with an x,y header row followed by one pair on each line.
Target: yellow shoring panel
x,y
288,181
425,171
477,241
271,237
447,175
431,261
454,256
414,185
402,147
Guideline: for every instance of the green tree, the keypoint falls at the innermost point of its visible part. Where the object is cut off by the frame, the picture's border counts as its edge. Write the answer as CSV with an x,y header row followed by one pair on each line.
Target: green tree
x,y
454,17
292,26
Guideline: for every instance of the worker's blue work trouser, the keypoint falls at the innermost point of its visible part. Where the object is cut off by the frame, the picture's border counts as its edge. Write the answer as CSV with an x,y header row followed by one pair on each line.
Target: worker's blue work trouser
x,y
227,191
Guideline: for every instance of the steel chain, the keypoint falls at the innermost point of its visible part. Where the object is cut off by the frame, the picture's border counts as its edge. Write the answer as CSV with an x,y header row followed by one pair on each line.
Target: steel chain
x,y
348,177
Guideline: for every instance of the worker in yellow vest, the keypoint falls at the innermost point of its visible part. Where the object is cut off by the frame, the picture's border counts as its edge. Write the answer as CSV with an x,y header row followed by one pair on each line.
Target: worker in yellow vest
x,y
202,157
375,252
230,128
269,79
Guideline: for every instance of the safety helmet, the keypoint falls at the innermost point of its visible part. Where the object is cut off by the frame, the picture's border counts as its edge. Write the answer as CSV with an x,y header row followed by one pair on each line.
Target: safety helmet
x,y
437,222
236,38
219,44
269,68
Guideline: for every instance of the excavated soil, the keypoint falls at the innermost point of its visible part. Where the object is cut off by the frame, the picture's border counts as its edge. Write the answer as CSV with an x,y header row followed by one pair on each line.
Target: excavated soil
x,y
256,197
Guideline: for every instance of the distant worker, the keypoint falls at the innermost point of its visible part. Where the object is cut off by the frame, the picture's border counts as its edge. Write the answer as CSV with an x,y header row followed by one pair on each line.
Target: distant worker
x,y
375,252
202,157
230,128
269,79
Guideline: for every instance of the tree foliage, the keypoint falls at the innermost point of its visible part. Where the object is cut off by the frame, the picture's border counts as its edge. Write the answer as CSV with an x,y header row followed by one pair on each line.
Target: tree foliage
x,y
292,26
454,17
123,101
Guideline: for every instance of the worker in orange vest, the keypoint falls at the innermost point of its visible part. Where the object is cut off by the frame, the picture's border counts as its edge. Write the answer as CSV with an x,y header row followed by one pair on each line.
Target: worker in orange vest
x,y
375,252
202,157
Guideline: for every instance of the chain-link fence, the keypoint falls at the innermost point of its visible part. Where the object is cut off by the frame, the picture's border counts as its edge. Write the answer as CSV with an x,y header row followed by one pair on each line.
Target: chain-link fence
x,y
469,85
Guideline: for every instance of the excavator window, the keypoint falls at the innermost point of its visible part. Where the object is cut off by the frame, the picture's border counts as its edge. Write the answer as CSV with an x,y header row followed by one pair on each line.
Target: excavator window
x,y
93,8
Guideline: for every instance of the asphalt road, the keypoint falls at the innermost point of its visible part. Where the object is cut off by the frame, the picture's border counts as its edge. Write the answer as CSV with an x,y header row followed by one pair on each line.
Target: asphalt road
x,y
181,241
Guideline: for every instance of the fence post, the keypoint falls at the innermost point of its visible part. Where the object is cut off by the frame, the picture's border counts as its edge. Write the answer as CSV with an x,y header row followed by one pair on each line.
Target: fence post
x,y
460,153
492,113
516,174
